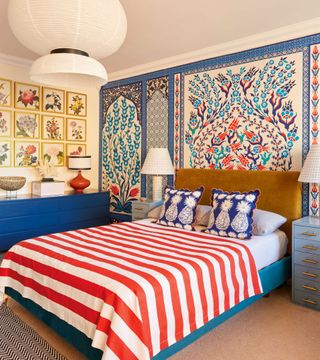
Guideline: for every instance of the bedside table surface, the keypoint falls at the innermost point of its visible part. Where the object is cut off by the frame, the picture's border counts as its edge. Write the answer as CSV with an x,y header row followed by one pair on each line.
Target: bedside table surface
x,y
308,221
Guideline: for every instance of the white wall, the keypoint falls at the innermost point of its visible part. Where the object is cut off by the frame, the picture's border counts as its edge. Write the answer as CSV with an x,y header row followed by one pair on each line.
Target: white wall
x,y
21,74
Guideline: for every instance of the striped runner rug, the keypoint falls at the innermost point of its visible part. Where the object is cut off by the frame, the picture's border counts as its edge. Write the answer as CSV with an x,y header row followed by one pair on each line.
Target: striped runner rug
x,y
18,341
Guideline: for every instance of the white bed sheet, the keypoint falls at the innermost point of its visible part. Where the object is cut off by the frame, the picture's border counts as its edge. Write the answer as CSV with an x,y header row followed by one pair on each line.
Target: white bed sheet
x,y
265,249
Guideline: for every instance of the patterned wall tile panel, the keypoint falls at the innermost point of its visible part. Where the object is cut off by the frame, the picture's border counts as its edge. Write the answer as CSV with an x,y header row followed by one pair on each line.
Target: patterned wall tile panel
x,y
157,119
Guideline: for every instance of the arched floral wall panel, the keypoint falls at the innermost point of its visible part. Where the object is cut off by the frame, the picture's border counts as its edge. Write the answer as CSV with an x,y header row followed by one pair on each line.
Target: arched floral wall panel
x,y
245,117
121,148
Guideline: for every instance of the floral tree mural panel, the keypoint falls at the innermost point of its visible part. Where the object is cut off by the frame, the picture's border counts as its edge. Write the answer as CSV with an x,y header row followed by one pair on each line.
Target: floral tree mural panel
x,y
121,146
245,117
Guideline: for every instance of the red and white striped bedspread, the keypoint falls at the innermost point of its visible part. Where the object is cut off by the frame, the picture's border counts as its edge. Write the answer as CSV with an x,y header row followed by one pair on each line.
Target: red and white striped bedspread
x,y
134,289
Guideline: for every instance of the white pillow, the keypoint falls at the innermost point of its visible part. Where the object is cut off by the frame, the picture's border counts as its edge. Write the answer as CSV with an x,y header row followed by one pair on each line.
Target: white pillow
x,y
201,218
266,222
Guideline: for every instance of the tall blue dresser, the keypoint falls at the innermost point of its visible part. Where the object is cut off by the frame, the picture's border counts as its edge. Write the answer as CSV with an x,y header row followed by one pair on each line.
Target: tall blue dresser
x,y
306,262
28,216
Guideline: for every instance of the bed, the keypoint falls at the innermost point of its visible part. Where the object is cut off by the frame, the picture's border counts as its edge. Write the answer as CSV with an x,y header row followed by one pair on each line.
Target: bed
x,y
280,192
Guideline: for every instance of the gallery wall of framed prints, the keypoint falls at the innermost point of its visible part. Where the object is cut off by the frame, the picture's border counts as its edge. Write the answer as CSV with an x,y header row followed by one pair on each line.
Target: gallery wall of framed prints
x,y
40,123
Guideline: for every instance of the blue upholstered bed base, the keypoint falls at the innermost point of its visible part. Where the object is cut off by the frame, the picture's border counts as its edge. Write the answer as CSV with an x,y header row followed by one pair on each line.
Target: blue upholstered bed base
x,y
271,277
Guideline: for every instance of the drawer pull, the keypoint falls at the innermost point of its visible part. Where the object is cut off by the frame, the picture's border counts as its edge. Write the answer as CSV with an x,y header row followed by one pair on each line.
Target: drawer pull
x,y
310,247
308,301
309,274
311,288
309,261
139,208
306,233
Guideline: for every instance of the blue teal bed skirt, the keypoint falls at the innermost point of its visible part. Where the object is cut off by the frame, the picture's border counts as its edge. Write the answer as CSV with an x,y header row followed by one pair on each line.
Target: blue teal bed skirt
x,y
271,277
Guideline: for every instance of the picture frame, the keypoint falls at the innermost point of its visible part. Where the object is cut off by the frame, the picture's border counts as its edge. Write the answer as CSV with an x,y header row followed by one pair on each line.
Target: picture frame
x,y
53,100
26,96
53,152
26,153
26,125
5,153
76,104
76,149
5,123
5,92
76,130
52,127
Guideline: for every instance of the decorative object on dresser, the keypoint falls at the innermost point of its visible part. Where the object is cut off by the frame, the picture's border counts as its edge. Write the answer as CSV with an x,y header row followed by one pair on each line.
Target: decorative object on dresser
x,y
11,184
306,262
27,216
98,29
47,170
47,188
157,163
140,208
310,172
79,183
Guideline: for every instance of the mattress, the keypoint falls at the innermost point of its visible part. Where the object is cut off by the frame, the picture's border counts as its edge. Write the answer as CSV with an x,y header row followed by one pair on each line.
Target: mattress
x,y
265,249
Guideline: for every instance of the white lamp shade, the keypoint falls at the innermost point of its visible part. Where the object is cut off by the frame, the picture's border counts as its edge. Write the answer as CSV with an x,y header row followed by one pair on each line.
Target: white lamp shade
x,y
79,162
310,172
97,27
70,70
158,162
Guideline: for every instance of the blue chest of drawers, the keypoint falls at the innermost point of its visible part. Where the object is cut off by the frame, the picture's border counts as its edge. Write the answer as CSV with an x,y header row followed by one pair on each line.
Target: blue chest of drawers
x,y
306,262
28,216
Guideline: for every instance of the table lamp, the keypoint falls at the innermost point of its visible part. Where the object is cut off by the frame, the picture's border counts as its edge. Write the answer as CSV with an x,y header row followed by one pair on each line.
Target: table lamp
x,y
157,163
79,183
310,172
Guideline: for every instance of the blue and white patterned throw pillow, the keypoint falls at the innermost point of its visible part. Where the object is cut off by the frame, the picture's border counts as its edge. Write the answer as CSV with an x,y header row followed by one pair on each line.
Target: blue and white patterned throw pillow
x,y
179,207
231,213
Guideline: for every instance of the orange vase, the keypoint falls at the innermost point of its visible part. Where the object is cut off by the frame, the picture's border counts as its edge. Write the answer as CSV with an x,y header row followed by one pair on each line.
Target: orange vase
x,y
79,183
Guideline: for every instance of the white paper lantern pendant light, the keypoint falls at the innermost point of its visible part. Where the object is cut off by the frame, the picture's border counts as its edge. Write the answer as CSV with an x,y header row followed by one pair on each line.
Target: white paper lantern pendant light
x,y
71,35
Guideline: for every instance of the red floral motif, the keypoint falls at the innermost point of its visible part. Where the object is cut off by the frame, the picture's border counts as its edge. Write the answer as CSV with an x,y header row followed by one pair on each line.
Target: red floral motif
x,y
30,149
114,189
27,97
134,192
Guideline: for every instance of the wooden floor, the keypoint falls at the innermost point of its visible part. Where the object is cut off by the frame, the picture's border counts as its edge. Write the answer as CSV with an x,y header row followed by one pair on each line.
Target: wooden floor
x,y
271,329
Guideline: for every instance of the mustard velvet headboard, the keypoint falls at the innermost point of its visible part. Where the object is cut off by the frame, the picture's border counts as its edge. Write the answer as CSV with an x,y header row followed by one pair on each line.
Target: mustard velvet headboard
x,y
280,190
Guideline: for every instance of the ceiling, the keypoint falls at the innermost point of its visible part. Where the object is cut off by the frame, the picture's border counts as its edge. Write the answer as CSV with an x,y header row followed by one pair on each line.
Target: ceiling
x,y
166,28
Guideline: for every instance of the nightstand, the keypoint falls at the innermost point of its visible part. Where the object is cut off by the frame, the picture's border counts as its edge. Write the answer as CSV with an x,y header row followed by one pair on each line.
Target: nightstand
x,y
140,208
306,262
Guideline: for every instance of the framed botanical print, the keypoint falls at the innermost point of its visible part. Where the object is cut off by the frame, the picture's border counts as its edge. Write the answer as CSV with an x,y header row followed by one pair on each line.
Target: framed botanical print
x,y
76,130
5,153
5,123
76,104
53,153
76,149
52,127
5,92
26,125
26,96
26,153
53,100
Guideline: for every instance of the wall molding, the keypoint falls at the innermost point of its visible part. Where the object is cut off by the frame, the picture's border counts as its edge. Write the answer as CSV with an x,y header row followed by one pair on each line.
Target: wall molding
x,y
284,33
15,60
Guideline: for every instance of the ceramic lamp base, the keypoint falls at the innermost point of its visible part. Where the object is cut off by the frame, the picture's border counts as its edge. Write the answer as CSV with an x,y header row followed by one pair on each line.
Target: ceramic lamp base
x,y
79,183
157,187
